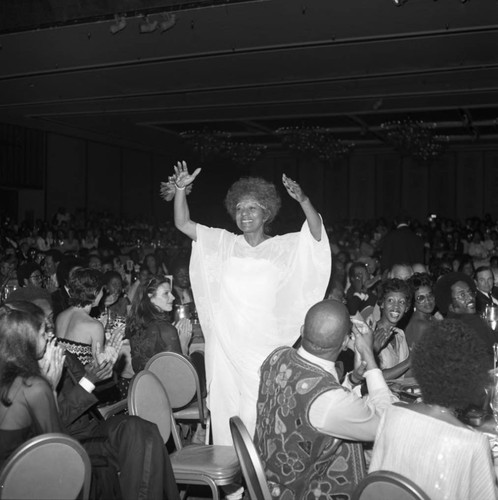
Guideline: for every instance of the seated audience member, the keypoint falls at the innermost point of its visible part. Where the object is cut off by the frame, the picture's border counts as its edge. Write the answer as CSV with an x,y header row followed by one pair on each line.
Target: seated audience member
x,y
493,264
133,447
49,265
425,442
487,293
30,279
114,300
424,305
467,266
27,404
149,326
182,291
302,407
400,271
455,298
77,331
142,279
419,268
360,294
390,343
60,297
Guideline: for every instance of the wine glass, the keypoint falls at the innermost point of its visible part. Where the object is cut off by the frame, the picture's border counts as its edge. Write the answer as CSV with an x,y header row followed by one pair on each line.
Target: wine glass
x,y
493,401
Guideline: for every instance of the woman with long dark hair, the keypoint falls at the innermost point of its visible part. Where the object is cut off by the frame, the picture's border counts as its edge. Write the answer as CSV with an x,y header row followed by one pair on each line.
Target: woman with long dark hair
x,y
149,326
30,368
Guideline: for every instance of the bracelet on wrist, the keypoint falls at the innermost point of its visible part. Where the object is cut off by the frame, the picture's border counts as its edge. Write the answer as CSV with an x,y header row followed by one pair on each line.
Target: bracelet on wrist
x,y
179,188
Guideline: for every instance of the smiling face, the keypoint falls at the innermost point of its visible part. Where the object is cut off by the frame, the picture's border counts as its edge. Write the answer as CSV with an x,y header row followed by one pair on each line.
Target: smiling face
x,y
163,298
250,216
424,300
463,298
394,307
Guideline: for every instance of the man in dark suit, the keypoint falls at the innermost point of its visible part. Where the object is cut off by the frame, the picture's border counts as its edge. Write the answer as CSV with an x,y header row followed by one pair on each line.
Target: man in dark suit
x,y
128,449
487,293
401,245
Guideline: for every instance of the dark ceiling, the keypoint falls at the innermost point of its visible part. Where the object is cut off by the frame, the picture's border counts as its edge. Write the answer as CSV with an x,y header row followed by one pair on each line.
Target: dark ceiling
x,y
249,68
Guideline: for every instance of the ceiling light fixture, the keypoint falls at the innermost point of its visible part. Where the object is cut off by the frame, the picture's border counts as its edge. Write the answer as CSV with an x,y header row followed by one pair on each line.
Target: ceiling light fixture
x,y
168,22
119,24
399,3
148,26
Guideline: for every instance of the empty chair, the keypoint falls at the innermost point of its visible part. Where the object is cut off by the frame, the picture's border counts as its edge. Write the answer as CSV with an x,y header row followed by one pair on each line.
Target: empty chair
x,y
181,381
47,467
250,463
194,464
387,485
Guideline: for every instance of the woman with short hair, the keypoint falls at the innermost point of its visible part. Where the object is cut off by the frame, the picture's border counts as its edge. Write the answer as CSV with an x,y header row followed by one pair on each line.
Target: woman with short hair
x,y
252,290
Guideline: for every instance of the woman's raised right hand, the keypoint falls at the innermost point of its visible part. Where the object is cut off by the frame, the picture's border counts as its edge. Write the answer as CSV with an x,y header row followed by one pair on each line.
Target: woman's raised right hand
x,y
182,176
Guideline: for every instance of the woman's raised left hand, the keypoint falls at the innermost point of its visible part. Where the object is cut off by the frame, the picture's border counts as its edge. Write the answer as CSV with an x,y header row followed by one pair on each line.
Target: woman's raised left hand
x,y
294,189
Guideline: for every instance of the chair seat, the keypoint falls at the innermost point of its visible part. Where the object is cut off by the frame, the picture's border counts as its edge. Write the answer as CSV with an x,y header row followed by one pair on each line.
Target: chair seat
x,y
218,462
191,412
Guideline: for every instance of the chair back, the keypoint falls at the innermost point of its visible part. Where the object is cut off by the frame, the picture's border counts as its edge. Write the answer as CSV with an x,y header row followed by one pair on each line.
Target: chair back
x,y
148,399
250,463
386,485
179,378
47,467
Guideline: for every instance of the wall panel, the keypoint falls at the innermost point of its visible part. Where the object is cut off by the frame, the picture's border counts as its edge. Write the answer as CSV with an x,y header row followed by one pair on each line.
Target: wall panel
x,y
442,181
415,184
66,182
137,188
469,189
491,183
103,178
388,186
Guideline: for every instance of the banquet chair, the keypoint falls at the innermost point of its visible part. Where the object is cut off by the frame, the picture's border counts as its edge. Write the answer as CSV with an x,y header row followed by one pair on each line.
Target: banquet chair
x,y
47,467
181,382
250,463
387,485
209,465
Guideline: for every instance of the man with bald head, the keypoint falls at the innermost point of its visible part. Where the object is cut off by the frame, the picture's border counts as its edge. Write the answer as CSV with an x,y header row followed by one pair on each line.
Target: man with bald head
x,y
304,411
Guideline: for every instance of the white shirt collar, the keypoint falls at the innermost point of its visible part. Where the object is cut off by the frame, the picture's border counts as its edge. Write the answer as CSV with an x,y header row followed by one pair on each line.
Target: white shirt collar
x,y
328,366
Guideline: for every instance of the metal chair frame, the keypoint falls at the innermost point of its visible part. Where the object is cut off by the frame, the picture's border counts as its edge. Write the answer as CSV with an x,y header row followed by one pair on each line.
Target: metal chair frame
x,y
250,462
180,389
40,475
366,490
148,399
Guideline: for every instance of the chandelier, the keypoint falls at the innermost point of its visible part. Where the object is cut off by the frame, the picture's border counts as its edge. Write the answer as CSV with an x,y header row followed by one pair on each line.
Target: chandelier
x,y
414,138
314,141
220,144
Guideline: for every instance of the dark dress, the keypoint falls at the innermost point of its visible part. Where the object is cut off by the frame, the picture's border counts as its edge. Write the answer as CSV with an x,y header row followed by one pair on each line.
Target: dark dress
x,y
159,336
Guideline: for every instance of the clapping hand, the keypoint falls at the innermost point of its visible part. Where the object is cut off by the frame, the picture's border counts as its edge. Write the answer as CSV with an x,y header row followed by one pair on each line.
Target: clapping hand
x,y
112,347
382,336
98,372
294,189
184,327
52,362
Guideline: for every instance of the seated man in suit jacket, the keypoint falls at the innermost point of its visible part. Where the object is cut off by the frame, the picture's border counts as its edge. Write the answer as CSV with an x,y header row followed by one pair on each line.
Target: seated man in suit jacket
x,y
487,293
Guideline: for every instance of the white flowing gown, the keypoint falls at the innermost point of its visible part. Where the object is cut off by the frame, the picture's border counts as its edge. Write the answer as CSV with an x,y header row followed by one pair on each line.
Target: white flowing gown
x,y
251,300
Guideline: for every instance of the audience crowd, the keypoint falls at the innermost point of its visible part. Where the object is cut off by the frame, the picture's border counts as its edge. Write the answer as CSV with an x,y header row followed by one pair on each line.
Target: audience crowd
x,y
404,299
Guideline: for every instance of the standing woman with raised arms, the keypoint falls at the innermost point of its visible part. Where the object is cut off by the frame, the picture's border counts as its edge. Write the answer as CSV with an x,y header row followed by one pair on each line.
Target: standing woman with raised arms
x,y
252,291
